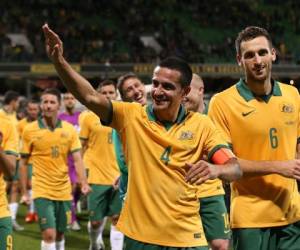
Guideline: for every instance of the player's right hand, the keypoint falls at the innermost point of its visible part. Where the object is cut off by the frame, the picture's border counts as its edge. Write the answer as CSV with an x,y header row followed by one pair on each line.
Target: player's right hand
x,y
291,169
54,46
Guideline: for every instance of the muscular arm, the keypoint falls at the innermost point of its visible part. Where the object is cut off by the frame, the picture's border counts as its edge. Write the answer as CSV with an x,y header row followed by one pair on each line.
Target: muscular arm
x,y
289,168
83,146
7,163
23,174
78,163
74,82
201,171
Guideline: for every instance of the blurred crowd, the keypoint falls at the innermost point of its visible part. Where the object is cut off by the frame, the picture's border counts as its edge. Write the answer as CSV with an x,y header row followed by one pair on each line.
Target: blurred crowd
x,y
101,31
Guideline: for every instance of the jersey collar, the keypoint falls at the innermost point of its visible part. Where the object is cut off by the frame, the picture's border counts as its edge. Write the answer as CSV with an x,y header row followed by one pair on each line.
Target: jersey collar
x,y
42,125
247,94
180,117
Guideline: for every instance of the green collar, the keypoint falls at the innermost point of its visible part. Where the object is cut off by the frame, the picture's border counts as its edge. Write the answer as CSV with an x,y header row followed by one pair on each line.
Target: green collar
x,y
247,94
42,125
180,117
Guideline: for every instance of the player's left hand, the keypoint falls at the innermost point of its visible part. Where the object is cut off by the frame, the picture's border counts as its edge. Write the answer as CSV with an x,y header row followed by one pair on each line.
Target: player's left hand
x,y
201,171
85,189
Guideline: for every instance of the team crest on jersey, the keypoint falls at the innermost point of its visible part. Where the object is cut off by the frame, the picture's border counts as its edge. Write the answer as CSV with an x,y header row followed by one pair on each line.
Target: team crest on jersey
x,y
64,135
287,108
186,135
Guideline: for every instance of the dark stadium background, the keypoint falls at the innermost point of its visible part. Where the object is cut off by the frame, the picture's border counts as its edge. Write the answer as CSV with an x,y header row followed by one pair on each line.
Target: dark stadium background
x,y
103,38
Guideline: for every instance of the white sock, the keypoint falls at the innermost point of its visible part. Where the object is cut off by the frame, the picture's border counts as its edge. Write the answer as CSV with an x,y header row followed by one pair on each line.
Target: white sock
x,y
103,225
93,234
116,238
31,206
60,245
13,207
48,246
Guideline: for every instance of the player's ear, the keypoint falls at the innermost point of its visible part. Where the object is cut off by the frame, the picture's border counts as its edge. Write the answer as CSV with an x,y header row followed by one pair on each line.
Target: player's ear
x,y
273,53
238,59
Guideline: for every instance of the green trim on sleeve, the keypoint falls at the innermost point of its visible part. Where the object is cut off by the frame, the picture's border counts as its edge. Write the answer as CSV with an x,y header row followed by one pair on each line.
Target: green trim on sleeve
x,y
9,152
215,149
83,138
75,150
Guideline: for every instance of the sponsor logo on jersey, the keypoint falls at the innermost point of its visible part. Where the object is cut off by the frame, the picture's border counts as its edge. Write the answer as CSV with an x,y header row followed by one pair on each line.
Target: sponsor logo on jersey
x,y
248,113
197,235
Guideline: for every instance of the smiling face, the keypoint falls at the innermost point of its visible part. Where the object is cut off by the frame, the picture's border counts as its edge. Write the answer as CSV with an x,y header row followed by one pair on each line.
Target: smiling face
x,y
256,58
167,92
134,91
49,105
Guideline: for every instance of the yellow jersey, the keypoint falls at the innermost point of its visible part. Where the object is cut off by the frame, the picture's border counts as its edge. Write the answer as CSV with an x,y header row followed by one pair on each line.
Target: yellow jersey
x,y
160,206
9,144
261,128
11,116
48,151
99,156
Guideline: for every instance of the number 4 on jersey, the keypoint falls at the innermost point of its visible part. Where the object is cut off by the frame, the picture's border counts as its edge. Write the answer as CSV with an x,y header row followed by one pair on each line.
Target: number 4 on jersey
x,y
165,155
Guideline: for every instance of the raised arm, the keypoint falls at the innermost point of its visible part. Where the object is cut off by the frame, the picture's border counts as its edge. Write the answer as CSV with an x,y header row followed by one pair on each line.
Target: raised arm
x,y
73,81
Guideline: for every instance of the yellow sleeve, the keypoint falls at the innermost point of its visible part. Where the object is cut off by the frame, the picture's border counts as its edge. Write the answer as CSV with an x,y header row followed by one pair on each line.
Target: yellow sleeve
x,y
84,128
217,116
75,142
214,139
122,114
26,142
11,141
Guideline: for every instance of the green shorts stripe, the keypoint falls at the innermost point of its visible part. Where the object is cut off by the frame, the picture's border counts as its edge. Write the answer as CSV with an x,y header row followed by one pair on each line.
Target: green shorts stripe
x,y
130,244
103,201
53,214
214,218
6,239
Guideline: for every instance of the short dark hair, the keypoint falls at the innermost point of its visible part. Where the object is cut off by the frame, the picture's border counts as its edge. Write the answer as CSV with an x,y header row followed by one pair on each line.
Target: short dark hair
x,y
122,79
181,66
10,96
33,101
106,83
53,91
250,33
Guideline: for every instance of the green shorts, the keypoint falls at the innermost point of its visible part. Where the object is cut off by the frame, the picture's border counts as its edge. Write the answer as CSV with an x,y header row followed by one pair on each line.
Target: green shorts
x,y
16,175
214,218
53,214
130,244
6,239
103,201
272,238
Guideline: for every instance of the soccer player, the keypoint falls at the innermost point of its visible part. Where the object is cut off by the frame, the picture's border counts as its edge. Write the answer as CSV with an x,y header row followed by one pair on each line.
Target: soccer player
x,y
259,117
10,107
213,211
47,143
102,167
163,145
71,115
131,89
32,112
8,155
